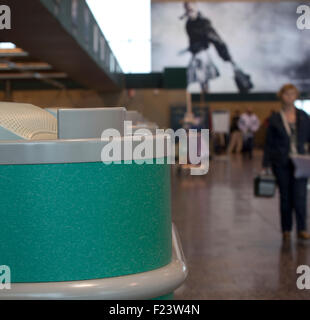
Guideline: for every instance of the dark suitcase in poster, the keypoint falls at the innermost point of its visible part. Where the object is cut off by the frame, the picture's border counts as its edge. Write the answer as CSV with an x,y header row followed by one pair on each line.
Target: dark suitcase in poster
x,y
243,81
265,186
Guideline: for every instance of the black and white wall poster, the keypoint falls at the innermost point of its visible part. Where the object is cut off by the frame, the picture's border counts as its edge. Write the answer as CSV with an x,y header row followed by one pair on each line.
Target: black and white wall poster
x,y
232,46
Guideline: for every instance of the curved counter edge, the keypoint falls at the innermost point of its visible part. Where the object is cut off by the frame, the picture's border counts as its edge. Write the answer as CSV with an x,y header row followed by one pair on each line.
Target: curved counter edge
x,y
141,286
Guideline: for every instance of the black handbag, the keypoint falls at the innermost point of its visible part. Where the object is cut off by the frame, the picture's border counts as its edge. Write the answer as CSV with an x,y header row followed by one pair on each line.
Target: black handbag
x,y
264,186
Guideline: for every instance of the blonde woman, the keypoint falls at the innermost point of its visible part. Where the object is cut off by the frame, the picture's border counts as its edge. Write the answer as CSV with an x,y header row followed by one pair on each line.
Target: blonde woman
x,y
288,133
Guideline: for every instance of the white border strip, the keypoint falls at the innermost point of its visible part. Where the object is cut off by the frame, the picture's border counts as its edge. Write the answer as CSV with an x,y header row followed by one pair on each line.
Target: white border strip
x,y
141,286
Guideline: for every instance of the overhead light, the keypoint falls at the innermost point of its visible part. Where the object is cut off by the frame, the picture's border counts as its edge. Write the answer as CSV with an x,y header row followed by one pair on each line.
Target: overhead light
x,y
7,45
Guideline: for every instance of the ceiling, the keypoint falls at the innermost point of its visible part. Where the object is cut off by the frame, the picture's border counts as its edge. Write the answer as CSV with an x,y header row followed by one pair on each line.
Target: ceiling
x,y
50,53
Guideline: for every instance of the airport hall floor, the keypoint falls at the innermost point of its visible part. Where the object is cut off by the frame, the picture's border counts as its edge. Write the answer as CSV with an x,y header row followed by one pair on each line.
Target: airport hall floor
x,y
232,240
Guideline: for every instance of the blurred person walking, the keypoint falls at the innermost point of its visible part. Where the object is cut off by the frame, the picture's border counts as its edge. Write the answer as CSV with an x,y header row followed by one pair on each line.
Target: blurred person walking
x,y
288,132
248,124
236,142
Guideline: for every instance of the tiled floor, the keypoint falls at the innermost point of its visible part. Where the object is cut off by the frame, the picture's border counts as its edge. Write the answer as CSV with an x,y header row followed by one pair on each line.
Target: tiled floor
x,y
231,239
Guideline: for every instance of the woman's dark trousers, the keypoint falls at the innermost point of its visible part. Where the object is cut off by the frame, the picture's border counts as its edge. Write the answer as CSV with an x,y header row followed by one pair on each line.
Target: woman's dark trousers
x,y
293,197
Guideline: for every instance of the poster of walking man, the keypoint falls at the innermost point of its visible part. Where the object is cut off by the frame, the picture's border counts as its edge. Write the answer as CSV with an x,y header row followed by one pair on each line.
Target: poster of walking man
x,y
231,47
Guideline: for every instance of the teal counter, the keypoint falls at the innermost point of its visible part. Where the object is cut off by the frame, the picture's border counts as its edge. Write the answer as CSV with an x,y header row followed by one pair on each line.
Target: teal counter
x,y
80,221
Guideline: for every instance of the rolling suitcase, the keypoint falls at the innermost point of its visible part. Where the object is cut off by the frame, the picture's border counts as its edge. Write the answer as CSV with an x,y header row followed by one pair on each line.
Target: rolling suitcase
x,y
243,81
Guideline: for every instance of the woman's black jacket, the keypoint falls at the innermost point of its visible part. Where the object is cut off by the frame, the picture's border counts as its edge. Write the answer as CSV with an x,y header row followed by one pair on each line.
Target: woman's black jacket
x,y
277,143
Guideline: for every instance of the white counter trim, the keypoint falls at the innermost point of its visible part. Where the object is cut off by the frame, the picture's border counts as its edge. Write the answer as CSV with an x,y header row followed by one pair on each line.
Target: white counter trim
x,y
71,151
141,286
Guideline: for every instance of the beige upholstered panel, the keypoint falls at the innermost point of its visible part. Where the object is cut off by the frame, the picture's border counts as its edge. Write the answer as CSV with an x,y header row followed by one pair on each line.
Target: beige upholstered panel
x,y
27,121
